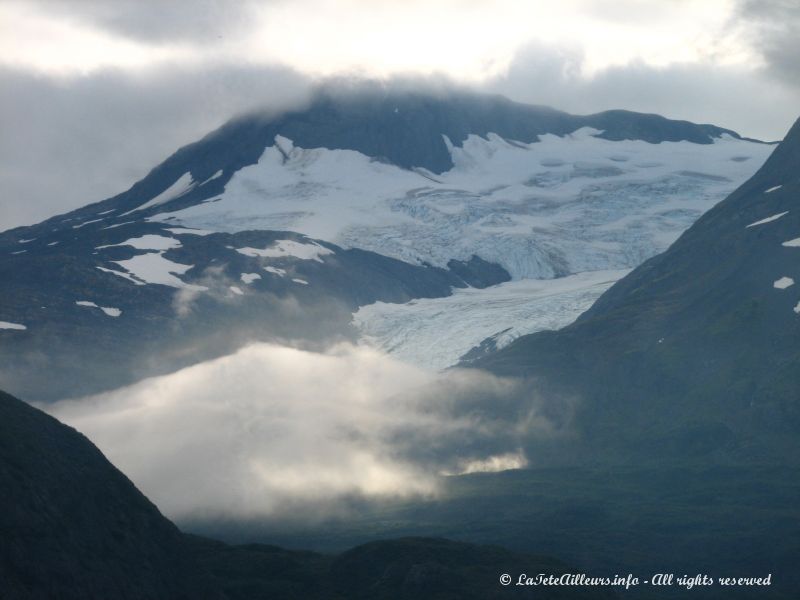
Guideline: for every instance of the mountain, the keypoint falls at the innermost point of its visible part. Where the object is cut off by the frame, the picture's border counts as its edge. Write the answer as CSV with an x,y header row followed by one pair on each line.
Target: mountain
x,y
694,354
73,526
398,569
282,227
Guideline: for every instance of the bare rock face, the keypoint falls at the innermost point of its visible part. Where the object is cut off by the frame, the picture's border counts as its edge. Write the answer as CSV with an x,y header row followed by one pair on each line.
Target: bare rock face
x,y
693,355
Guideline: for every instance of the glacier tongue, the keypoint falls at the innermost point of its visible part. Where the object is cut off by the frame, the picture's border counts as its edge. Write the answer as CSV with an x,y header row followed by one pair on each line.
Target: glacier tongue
x,y
541,210
565,216
436,332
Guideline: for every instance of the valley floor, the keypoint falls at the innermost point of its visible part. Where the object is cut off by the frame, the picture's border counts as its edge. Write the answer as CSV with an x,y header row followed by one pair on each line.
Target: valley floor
x,y
721,521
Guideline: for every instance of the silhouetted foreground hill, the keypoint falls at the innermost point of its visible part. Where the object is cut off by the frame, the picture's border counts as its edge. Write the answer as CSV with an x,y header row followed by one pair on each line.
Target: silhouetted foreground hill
x,y
401,569
73,526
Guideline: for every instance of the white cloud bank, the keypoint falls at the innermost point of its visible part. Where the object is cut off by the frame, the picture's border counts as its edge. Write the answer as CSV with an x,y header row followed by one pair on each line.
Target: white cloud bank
x,y
269,429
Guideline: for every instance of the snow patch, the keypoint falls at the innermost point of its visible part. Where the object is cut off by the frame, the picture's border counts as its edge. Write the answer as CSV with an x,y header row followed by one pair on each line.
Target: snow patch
x,y
7,325
275,271
119,225
216,175
289,249
768,219
300,281
154,268
121,274
795,243
177,189
110,311
185,231
249,277
236,290
772,189
147,242
86,223
783,283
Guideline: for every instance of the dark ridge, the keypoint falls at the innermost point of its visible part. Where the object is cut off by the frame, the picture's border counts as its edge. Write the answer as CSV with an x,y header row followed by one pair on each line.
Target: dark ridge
x,y
694,354
73,526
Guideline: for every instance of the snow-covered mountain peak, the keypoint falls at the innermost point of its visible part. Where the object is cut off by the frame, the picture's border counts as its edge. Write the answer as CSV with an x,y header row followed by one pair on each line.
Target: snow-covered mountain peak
x,y
534,208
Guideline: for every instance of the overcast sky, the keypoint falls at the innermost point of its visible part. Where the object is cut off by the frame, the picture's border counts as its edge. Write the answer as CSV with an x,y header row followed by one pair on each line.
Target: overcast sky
x,y
95,93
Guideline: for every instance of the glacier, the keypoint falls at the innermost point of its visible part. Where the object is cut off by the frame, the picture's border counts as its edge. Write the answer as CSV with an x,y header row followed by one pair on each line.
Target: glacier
x,y
565,216
436,332
541,210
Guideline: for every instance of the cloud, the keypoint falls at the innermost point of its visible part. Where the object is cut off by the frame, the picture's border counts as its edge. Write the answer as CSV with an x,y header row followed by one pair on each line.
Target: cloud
x,y
771,27
270,428
70,141
159,22
735,96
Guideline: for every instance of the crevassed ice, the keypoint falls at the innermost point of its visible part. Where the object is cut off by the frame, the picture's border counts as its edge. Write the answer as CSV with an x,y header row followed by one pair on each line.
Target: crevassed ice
x,y
436,332
562,205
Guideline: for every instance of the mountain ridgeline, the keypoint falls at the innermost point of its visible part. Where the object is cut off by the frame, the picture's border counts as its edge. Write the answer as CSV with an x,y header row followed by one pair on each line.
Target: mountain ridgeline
x,y
120,290
403,128
693,355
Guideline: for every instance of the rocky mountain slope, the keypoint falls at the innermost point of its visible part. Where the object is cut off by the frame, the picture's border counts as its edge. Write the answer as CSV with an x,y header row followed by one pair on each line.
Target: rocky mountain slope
x,y
280,228
695,353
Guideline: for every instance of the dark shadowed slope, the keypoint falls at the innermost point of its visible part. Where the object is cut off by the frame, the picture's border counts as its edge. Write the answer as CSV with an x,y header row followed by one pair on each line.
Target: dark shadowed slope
x,y
697,352
73,526
400,569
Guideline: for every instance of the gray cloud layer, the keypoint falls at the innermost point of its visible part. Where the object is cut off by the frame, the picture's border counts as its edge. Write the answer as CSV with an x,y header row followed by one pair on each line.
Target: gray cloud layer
x,y
773,26
752,103
68,142
159,22
71,140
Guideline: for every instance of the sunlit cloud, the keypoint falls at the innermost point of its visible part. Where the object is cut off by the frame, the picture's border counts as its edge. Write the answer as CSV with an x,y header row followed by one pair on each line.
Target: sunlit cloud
x,y
270,428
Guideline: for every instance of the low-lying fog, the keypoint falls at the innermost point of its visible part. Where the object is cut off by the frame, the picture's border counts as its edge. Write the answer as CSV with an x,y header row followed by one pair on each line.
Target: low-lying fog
x,y
271,428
